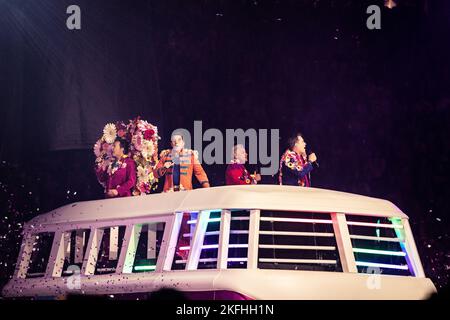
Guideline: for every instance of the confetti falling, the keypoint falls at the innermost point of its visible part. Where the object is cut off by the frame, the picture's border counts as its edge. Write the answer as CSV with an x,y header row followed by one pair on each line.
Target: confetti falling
x,y
21,203
25,194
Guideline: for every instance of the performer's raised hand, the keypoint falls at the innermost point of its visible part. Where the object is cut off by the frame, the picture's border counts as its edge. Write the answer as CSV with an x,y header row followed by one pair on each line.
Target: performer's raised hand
x,y
312,157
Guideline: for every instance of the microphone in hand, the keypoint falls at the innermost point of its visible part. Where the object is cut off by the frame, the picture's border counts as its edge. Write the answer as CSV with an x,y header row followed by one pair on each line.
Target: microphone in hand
x,y
313,159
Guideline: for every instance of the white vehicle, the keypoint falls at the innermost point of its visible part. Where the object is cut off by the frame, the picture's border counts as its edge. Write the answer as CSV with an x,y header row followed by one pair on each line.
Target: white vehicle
x,y
238,242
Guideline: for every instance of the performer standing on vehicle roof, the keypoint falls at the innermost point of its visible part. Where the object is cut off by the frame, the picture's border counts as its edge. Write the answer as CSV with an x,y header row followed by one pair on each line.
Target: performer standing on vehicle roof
x,y
119,177
178,165
295,166
236,172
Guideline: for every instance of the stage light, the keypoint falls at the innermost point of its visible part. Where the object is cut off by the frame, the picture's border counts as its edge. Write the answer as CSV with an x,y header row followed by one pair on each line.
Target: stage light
x,y
390,4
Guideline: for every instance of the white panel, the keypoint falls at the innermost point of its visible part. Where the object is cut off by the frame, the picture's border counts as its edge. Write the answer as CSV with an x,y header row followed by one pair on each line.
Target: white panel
x,y
113,243
128,250
344,243
79,245
92,251
224,238
151,241
197,241
169,243
26,249
67,243
253,239
57,253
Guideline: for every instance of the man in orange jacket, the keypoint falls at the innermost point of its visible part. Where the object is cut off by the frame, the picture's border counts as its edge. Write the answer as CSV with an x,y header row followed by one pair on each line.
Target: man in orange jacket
x,y
177,165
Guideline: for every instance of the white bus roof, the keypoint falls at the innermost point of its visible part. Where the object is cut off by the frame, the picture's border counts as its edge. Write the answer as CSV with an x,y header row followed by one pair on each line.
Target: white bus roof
x,y
264,197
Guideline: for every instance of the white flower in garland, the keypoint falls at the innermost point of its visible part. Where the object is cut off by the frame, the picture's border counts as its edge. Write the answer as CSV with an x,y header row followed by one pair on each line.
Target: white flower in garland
x,y
142,174
148,149
144,125
109,133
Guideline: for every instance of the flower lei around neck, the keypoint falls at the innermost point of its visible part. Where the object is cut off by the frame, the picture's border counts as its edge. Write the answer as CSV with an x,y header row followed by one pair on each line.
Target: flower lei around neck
x,y
115,165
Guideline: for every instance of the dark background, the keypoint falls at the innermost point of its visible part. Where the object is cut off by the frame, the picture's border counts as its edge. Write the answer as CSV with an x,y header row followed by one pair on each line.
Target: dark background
x,y
373,104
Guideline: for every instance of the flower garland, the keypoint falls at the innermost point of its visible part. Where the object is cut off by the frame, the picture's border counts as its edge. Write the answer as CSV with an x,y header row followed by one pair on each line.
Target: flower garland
x,y
143,139
144,150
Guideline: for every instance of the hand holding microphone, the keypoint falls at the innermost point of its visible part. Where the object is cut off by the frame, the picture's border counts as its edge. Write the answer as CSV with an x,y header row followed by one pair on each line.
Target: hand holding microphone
x,y
313,159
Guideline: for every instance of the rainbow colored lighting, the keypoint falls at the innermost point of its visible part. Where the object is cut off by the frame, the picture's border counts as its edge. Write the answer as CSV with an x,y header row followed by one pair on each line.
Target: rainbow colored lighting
x,y
383,252
145,268
381,265
209,220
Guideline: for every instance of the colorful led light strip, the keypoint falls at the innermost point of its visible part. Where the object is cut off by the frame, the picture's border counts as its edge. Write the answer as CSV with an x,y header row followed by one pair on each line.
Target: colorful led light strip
x,y
215,246
215,233
377,225
270,260
361,237
213,260
381,265
218,220
383,252
296,220
209,220
292,233
145,268
293,247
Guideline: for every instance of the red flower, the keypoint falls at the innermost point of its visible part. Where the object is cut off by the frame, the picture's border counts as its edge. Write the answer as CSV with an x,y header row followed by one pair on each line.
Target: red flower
x,y
148,134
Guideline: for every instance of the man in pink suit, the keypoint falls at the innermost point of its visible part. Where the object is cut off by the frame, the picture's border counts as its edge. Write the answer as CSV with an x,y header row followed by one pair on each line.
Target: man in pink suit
x,y
119,178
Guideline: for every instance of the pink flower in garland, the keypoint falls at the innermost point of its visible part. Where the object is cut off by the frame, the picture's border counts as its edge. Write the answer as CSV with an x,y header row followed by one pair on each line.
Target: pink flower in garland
x,y
98,148
121,129
105,147
121,133
137,141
